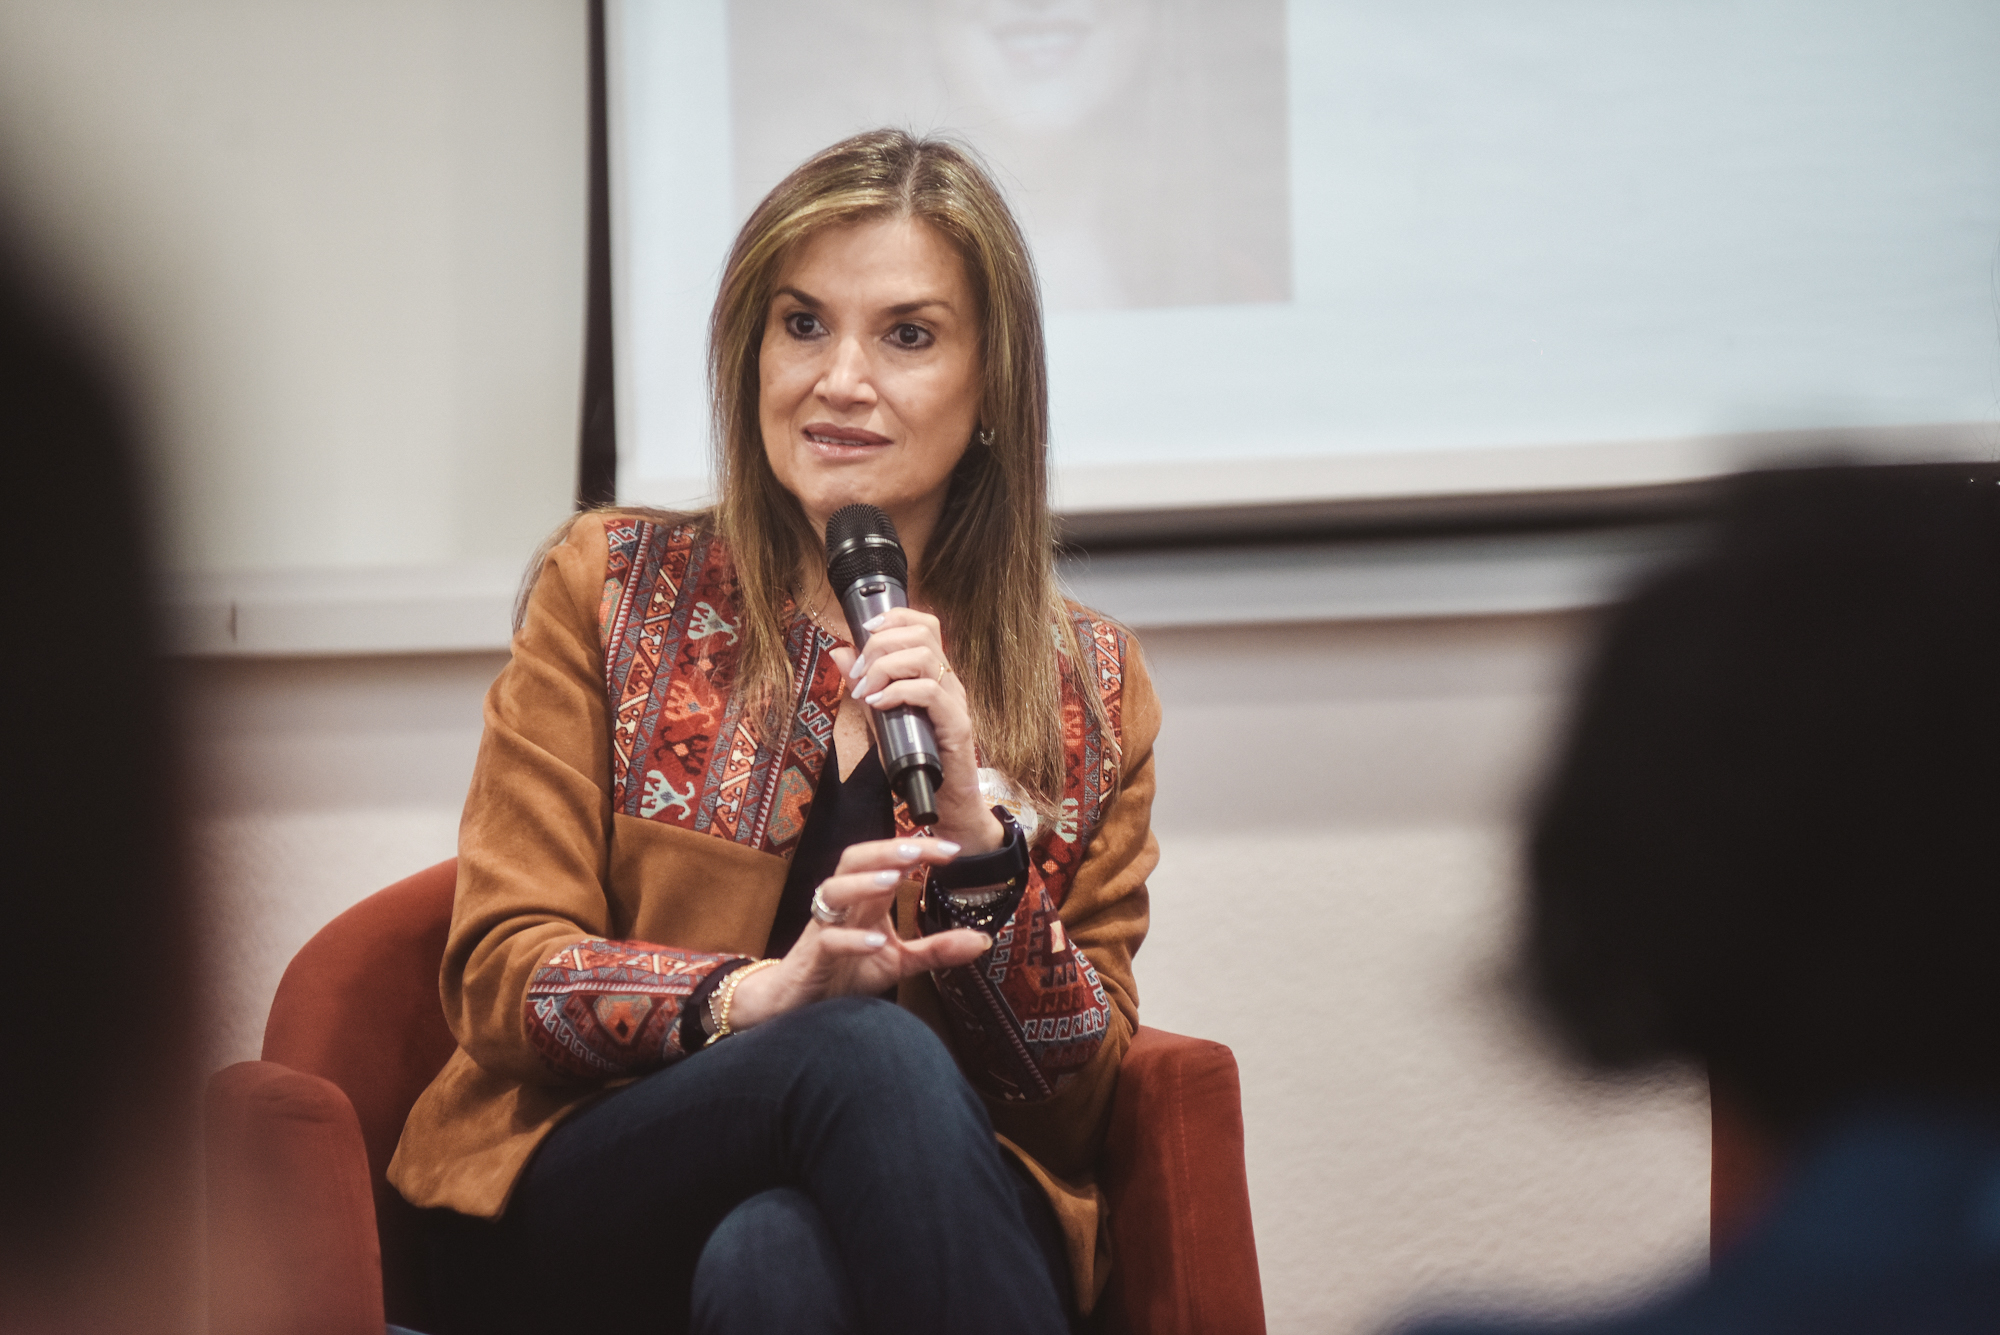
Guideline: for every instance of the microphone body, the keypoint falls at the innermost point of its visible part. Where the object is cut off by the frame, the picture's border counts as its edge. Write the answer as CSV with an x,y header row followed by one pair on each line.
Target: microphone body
x,y
870,575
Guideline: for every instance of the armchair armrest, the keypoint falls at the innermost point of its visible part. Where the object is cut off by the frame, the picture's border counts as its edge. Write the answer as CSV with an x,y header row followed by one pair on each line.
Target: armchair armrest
x,y
1184,1260
291,1219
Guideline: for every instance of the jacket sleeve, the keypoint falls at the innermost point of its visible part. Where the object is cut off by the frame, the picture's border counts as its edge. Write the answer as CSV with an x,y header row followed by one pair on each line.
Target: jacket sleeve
x,y
533,987
1045,1017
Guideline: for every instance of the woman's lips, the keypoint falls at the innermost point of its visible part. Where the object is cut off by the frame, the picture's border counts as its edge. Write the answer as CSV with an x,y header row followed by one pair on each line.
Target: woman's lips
x,y
842,440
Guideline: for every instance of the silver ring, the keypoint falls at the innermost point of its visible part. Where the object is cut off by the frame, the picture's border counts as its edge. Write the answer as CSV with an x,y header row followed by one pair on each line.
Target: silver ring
x,y
824,913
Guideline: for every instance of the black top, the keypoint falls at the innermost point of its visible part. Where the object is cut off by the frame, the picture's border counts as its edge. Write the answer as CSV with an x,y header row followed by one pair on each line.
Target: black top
x,y
844,812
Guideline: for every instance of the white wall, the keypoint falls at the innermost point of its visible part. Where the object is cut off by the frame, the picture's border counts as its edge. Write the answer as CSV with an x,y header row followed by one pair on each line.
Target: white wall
x,y
342,245
1338,913
321,781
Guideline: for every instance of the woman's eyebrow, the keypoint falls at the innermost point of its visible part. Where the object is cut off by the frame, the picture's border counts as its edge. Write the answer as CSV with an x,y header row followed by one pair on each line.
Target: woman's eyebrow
x,y
900,308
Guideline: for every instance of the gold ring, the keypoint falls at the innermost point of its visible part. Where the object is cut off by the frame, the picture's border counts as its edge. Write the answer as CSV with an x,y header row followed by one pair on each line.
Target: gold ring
x,y
944,670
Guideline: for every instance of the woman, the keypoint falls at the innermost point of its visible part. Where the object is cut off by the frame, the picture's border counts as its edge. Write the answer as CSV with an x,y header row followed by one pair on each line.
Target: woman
x,y
682,878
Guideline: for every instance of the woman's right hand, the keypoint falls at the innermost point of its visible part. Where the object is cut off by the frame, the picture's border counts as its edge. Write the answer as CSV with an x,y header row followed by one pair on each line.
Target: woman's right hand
x,y
863,956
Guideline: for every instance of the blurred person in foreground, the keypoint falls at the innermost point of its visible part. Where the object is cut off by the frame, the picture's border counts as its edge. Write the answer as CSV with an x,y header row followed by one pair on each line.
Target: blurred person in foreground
x,y
97,1088
1771,845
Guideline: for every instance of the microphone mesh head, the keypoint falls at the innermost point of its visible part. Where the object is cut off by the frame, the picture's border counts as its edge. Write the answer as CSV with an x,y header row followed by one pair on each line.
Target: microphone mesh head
x,y
861,540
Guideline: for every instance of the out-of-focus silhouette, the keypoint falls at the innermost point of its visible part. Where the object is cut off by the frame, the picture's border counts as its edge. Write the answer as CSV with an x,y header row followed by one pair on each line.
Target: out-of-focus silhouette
x,y
1769,846
96,1123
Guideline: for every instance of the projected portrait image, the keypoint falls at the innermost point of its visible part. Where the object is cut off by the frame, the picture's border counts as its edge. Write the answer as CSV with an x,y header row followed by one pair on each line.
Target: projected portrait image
x,y
1144,141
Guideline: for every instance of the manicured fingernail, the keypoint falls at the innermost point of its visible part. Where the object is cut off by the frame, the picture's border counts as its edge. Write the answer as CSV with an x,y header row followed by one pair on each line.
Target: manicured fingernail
x,y
909,852
887,878
876,940
859,687
874,699
948,848
858,668
874,623
987,939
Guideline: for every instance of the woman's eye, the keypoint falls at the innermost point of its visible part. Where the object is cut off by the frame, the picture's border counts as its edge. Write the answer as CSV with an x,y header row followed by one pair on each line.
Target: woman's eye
x,y
802,324
910,336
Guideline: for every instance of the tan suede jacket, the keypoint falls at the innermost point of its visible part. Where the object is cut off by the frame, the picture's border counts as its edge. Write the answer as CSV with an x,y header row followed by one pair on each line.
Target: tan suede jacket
x,y
629,828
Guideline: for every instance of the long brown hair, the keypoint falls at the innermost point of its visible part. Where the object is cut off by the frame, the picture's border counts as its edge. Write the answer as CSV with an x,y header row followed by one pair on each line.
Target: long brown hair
x,y
989,569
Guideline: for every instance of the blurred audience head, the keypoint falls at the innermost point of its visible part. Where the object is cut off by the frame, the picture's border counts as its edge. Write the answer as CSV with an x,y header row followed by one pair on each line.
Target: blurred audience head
x,y
1771,843
96,1125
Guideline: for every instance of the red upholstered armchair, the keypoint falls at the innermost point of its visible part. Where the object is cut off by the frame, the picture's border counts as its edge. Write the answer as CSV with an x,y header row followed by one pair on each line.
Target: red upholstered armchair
x,y
305,1235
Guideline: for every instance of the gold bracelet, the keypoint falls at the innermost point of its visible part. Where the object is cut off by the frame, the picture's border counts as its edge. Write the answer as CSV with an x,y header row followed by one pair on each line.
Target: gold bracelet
x,y
726,994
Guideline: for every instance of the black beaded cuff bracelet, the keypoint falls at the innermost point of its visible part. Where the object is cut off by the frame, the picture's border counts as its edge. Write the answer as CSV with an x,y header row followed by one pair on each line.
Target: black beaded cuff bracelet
x,y
983,891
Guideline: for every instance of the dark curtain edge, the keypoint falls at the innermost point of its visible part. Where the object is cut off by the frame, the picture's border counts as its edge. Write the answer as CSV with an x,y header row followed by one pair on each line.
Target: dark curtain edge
x,y
597,440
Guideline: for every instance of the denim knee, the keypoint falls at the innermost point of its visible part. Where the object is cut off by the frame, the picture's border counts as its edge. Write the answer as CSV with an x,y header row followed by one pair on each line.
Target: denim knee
x,y
877,1043
871,1029
771,1265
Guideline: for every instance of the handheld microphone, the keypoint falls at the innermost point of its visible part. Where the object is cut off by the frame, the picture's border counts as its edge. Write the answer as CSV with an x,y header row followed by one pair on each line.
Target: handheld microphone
x,y
870,574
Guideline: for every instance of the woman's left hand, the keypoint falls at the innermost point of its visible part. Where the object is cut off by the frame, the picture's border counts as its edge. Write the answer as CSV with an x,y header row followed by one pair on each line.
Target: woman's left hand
x,y
904,664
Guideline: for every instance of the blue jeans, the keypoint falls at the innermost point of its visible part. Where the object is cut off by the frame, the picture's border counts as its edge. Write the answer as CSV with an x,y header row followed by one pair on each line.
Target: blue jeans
x,y
828,1171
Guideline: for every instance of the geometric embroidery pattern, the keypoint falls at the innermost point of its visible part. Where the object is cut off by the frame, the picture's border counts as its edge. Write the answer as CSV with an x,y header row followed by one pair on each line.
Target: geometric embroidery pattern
x,y
685,751
601,1009
1033,1012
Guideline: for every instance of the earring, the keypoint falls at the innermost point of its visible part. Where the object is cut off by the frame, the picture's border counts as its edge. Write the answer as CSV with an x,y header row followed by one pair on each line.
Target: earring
x,y
984,435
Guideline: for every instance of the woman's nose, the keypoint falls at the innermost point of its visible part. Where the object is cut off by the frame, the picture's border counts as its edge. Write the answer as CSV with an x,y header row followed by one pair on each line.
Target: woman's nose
x,y
848,378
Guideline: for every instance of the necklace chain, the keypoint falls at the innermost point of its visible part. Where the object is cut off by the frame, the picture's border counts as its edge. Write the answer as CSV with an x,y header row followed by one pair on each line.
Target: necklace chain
x,y
820,615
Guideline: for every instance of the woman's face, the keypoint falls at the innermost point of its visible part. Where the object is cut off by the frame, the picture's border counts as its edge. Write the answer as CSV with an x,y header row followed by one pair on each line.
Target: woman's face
x,y
870,372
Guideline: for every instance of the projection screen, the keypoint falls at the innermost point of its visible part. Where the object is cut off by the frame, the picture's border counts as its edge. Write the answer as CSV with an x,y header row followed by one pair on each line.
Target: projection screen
x,y
1325,251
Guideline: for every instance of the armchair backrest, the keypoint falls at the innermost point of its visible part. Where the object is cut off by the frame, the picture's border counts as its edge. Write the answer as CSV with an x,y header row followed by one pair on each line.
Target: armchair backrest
x,y
359,1007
